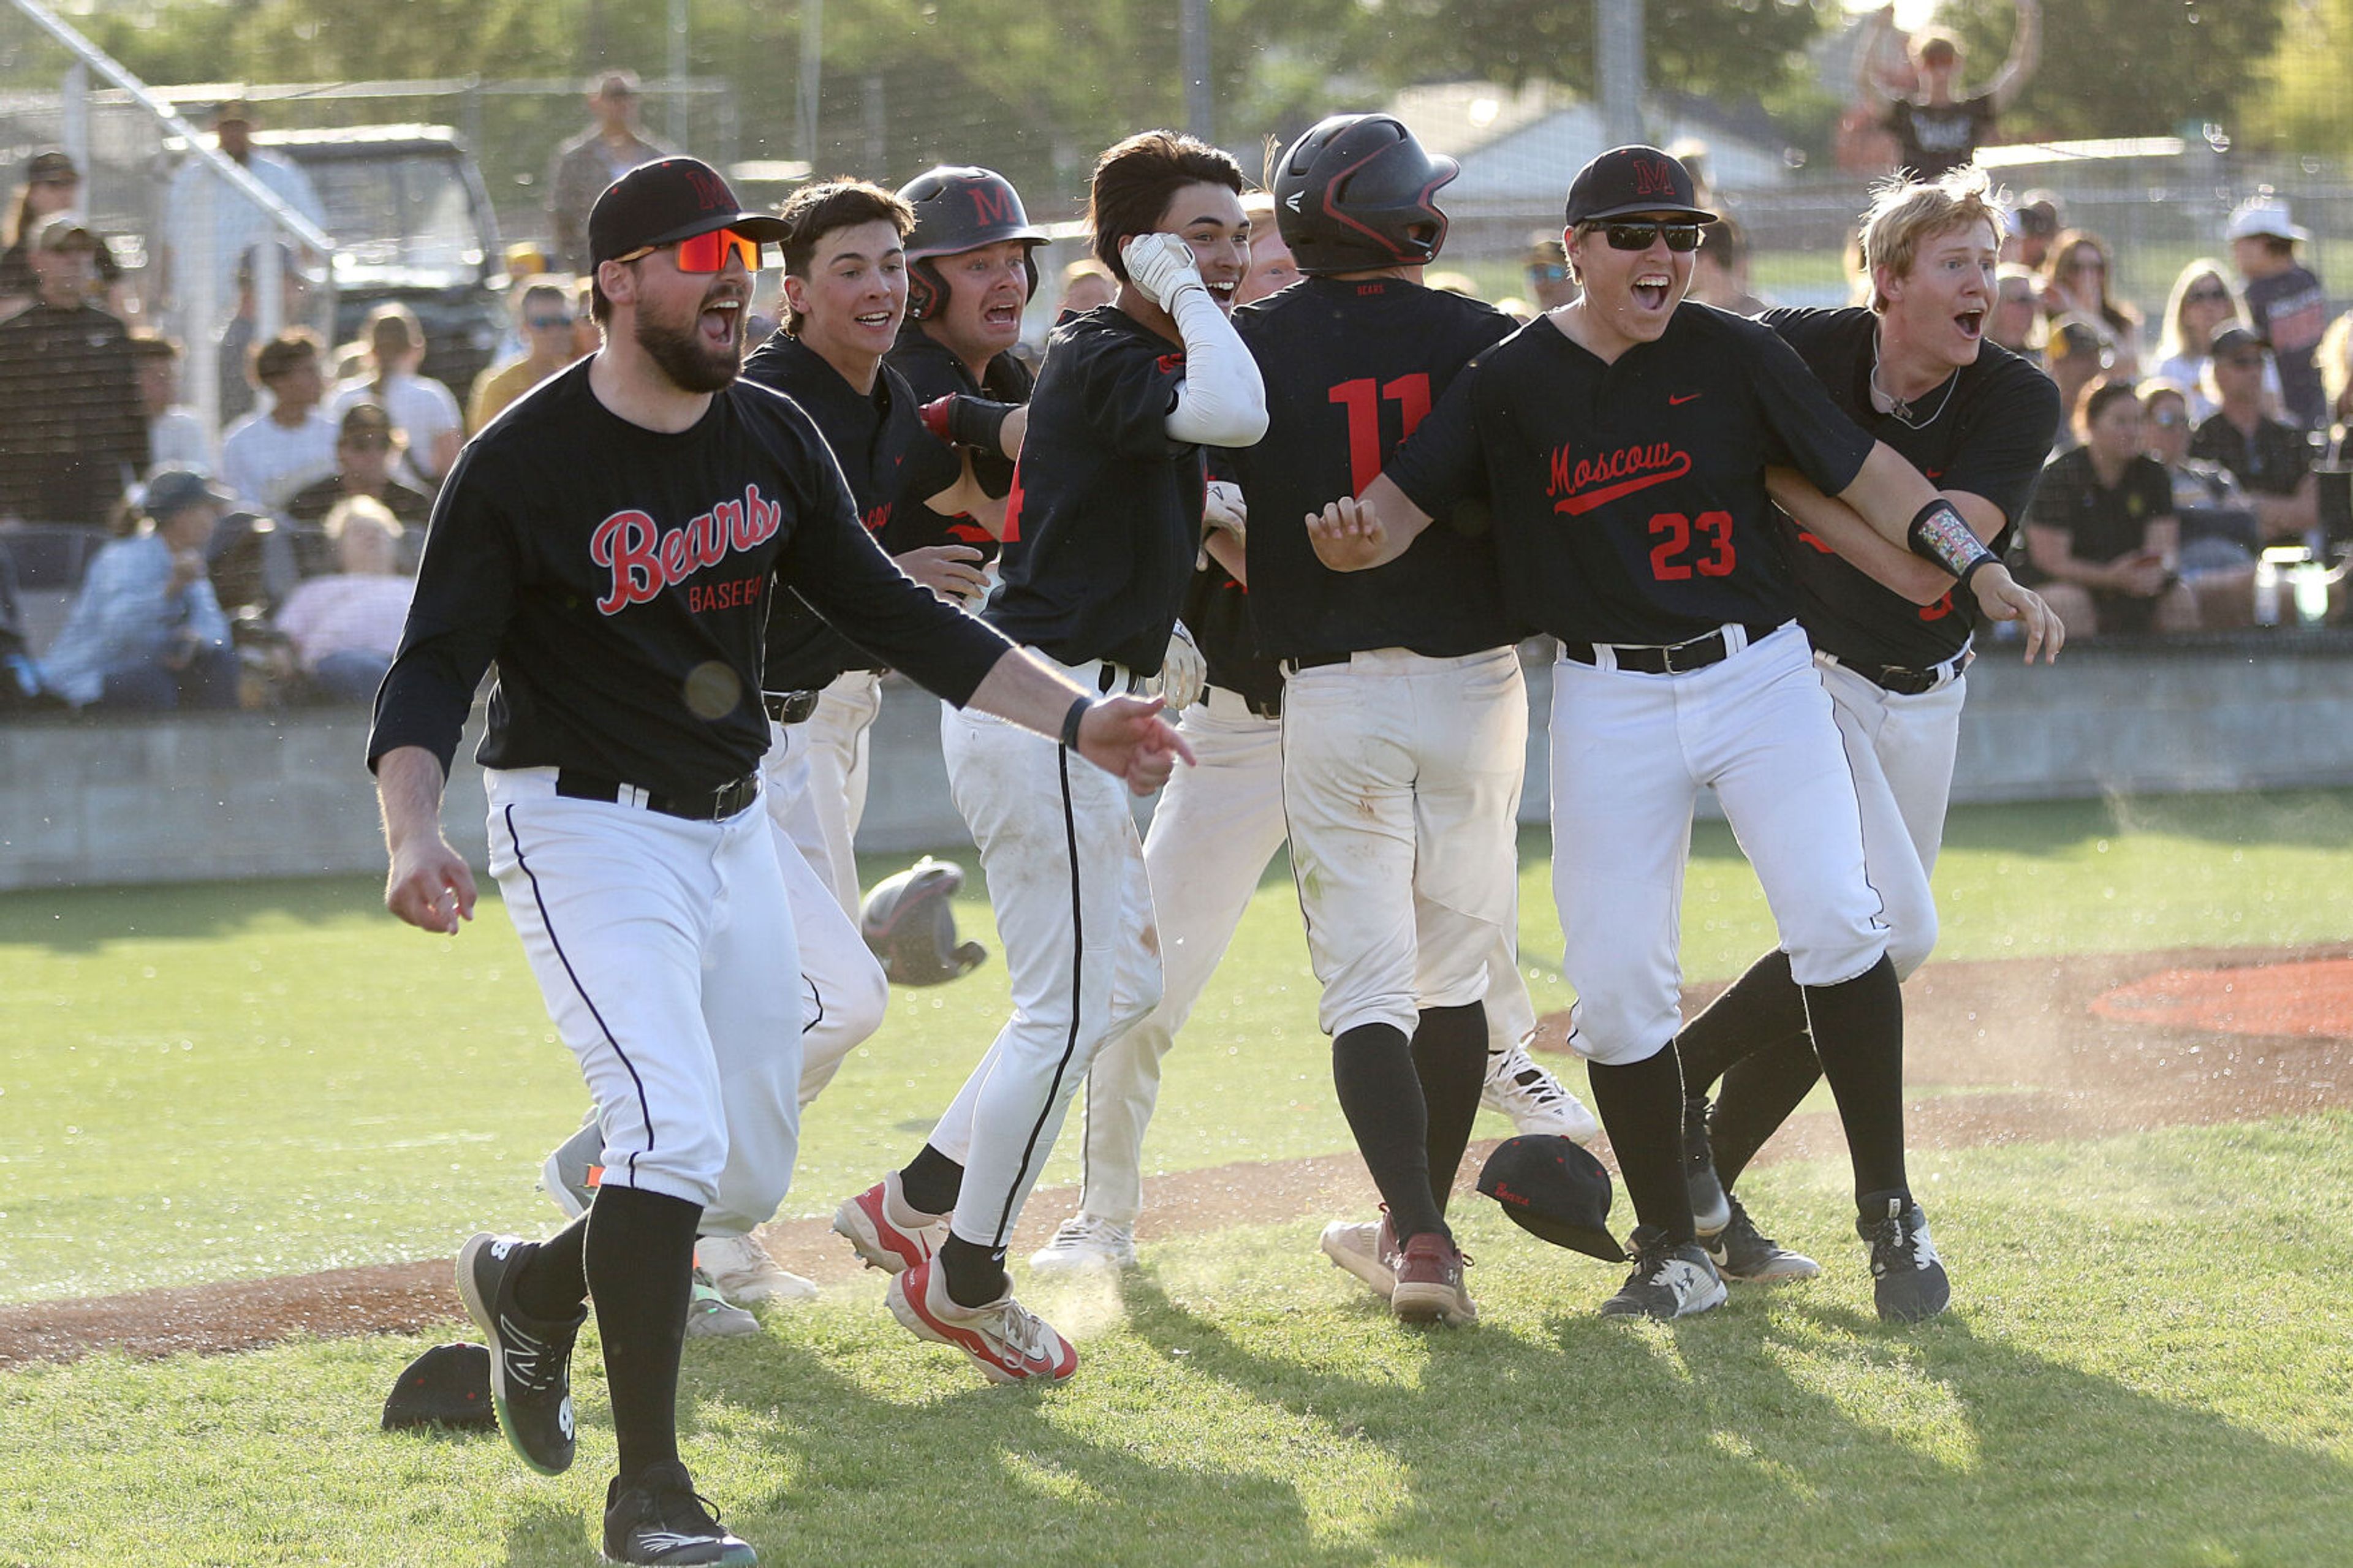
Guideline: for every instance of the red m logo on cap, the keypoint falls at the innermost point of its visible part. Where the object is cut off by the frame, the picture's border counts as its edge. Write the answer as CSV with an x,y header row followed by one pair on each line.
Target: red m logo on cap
x,y
708,188
1654,178
991,205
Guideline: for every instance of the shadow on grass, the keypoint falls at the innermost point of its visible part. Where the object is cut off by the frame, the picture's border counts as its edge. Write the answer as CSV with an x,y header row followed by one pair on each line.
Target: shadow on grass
x,y
83,920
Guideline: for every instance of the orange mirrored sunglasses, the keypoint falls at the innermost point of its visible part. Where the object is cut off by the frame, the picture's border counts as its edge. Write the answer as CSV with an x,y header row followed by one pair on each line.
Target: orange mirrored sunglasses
x,y
707,252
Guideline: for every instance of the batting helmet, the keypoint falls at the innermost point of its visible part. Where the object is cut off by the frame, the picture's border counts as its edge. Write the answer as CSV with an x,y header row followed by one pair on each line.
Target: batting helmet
x,y
907,921
1356,192
956,210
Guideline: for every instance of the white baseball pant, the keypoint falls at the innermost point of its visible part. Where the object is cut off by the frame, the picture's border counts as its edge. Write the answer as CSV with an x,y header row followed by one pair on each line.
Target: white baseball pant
x,y
823,763
1900,749
1630,754
1066,879
844,992
655,942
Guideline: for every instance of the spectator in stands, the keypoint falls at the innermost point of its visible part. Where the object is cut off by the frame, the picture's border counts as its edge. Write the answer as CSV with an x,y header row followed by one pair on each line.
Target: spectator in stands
x,y
588,337
2220,537
232,348
1936,128
2074,355
596,157
20,674
1086,284
2102,538
1273,266
421,407
1720,270
237,225
2017,309
175,433
72,438
345,626
2201,304
52,184
367,454
2285,302
2336,356
2079,283
1545,269
2271,461
544,310
145,630
269,456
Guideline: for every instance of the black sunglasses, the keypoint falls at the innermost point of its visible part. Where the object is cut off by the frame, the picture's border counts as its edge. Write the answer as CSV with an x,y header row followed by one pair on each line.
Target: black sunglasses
x,y
2206,296
1680,237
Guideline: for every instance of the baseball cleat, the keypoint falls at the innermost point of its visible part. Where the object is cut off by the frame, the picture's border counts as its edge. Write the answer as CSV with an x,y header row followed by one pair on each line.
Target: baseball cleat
x,y
1907,1278
1082,1242
711,1316
1711,1210
1365,1248
1533,1100
744,1273
569,1176
1669,1282
1740,1251
663,1519
866,1223
1008,1342
530,1360
1429,1288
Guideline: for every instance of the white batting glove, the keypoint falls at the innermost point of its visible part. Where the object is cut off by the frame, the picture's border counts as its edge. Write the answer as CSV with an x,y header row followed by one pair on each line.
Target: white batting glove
x,y
1161,267
1184,673
1223,508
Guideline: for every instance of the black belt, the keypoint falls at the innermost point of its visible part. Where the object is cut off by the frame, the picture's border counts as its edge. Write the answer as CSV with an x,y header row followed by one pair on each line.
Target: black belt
x,y
1903,679
1673,659
789,707
712,805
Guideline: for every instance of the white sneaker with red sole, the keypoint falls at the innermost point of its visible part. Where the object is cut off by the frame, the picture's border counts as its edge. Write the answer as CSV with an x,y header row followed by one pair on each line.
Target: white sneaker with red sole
x,y
1008,1342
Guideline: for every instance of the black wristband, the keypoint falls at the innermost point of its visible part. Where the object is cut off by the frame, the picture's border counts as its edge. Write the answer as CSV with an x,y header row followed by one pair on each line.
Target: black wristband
x,y
1070,721
1939,533
978,422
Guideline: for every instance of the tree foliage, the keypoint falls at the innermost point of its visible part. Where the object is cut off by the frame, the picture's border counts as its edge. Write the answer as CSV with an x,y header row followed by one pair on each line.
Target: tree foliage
x,y
2126,68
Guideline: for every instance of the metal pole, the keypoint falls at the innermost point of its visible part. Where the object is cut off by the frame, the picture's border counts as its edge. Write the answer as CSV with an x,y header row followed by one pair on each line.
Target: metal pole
x,y
1618,69
676,111
812,72
1193,53
73,133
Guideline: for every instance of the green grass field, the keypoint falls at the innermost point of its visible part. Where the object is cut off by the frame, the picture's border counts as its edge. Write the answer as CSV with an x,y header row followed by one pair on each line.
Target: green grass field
x,y
2147,1364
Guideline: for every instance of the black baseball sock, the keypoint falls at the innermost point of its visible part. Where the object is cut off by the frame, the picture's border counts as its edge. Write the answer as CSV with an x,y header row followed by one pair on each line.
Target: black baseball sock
x,y
1380,1094
1858,1030
1755,1097
554,1283
974,1275
931,1181
1450,1057
1761,1007
641,1264
1641,1107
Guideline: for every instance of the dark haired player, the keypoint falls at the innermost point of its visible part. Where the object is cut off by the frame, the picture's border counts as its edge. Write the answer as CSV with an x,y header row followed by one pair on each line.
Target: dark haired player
x,y
1915,371
1108,500
612,542
1621,443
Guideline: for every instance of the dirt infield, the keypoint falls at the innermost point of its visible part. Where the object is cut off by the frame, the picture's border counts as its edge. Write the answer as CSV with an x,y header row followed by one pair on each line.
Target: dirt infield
x,y
2046,1049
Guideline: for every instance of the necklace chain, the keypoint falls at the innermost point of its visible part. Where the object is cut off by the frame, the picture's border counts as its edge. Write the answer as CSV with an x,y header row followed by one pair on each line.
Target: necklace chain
x,y
1897,408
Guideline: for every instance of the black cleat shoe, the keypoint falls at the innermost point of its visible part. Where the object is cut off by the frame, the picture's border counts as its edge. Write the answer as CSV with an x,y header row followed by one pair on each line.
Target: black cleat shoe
x,y
530,1360
1669,1282
1741,1252
1710,1210
663,1519
1907,1278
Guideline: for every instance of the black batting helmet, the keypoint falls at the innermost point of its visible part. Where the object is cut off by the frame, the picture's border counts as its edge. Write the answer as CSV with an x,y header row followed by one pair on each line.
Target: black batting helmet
x,y
1356,192
907,921
959,209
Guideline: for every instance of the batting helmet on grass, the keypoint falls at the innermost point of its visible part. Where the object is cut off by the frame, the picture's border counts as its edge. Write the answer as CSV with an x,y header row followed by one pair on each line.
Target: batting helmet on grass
x,y
907,921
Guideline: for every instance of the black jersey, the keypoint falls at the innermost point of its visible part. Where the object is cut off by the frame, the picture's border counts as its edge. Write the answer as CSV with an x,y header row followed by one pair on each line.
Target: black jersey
x,y
1629,499
620,577
1934,139
1351,368
879,440
1104,520
1987,431
935,372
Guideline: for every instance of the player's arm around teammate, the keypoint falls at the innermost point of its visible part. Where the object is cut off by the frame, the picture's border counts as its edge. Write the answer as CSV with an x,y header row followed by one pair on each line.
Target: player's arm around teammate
x,y
1109,498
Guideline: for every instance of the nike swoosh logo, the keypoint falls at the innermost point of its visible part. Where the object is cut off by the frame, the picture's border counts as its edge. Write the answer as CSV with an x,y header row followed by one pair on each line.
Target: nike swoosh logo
x,y
1675,402
1579,505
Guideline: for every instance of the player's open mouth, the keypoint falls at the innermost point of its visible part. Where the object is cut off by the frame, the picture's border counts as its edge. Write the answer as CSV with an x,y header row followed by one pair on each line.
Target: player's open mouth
x,y
722,319
1971,322
1222,292
1650,293
1002,315
878,318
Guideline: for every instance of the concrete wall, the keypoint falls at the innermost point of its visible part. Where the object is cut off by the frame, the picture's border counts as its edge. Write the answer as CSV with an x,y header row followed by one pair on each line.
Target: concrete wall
x,y
250,795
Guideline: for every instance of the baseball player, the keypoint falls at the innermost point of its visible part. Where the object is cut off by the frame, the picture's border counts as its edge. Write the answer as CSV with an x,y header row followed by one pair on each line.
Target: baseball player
x,y
845,284
610,541
1108,501
1915,371
1213,834
1621,444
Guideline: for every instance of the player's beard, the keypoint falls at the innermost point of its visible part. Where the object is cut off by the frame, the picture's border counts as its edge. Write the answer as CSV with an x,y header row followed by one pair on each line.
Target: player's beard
x,y
686,357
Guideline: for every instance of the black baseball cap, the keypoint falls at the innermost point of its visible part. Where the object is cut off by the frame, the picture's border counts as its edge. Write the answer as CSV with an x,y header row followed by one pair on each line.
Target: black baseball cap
x,y
448,1385
2232,336
51,163
670,199
1626,180
1555,1189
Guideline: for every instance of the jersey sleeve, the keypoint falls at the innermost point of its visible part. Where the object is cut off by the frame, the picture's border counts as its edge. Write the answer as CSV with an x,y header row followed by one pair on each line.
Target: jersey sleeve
x,y
1129,391
1803,428
465,598
2004,453
1442,463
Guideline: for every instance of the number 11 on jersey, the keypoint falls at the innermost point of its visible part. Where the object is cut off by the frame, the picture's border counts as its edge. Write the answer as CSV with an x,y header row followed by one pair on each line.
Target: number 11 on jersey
x,y
1362,399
